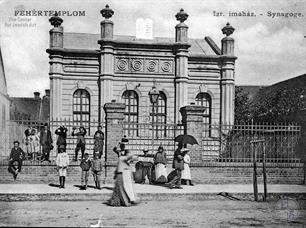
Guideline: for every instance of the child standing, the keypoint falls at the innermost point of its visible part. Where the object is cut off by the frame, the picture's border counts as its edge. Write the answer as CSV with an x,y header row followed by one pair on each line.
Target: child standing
x,y
62,162
97,169
186,176
85,166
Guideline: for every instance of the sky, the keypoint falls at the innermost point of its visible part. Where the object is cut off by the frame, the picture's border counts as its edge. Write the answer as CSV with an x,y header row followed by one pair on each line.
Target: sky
x,y
269,49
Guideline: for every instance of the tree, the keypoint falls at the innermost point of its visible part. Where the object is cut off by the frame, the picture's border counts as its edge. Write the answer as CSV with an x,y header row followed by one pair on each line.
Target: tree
x,y
242,106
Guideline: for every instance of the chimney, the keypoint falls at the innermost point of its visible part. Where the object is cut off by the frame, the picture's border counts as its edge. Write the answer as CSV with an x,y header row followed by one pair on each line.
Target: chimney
x,y
36,95
47,92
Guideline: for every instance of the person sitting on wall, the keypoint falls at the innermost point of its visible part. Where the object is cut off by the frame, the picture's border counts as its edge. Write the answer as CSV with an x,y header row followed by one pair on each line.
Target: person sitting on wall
x,y
61,139
80,141
16,156
144,168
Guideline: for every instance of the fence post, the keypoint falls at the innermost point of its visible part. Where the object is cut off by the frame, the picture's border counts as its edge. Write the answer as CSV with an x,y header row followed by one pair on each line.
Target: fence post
x,y
255,187
264,170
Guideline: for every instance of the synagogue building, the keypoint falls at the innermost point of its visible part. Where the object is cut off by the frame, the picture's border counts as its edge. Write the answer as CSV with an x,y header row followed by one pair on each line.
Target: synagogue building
x,y
89,70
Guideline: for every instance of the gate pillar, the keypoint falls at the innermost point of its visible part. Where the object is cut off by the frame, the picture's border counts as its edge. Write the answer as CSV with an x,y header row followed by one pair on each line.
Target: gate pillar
x,y
192,119
114,116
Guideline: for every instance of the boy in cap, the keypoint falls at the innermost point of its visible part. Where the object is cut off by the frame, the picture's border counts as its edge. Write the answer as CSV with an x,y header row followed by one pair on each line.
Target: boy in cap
x,y
85,166
17,155
96,169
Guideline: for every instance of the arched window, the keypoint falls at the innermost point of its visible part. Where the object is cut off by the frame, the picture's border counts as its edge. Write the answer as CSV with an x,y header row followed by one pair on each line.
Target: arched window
x,y
204,99
159,114
130,99
81,108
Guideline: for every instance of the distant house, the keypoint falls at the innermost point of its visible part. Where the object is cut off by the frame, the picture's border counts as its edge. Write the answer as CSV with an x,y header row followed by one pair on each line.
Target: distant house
x,y
31,108
4,104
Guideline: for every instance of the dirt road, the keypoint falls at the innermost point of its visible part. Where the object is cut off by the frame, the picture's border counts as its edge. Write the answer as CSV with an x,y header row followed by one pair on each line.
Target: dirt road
x,y
179,213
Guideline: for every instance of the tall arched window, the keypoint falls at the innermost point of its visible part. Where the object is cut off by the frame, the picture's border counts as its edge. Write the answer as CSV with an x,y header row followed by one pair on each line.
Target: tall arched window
x,y
204,99
159,114
81,108
130,99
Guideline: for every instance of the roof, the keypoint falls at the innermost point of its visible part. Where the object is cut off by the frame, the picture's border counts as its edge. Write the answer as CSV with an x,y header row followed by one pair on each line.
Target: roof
x,y
30,108
90,42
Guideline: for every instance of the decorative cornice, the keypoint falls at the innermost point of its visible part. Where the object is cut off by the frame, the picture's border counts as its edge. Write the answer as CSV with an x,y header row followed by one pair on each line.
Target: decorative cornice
x,y
63,51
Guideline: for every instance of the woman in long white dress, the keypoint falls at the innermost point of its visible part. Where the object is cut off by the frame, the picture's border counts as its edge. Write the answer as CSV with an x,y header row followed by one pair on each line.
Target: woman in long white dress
x,y
123,194
186,175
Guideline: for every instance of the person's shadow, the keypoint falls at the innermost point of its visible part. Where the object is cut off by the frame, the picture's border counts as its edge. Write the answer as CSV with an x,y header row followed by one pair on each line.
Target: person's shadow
x,y
54,185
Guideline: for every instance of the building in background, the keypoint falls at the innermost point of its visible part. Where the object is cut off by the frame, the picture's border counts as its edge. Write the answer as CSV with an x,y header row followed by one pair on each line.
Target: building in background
x,y
4,104
34,108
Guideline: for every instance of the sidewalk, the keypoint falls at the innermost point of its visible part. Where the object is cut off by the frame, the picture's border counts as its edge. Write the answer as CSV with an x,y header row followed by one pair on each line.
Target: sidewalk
x,y
18,192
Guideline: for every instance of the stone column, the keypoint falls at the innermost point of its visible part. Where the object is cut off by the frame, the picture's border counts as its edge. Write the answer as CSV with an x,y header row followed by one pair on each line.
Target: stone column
x,y
56,68
181,62
192,119
228,76
106,58
114,116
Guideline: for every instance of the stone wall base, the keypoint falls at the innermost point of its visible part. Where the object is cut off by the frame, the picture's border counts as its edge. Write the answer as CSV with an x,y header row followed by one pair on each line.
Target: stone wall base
x,y
201,175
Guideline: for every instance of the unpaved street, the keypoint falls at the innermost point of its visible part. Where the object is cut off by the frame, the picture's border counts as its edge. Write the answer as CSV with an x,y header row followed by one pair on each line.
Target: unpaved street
x,y
180,213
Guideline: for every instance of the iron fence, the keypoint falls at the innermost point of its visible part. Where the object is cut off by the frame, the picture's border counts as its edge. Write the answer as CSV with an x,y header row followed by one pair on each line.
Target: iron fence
x,y
224,144
15,130
151,136
231,143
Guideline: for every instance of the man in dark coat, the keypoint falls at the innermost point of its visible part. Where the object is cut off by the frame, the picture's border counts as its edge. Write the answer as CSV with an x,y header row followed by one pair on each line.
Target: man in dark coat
x,y
178,165
17,155
81,142
62,136
46,142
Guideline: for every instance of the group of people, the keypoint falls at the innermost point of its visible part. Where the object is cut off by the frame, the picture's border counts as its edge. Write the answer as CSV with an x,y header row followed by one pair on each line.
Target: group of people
x,y
86,164
36,143
156,172
154,167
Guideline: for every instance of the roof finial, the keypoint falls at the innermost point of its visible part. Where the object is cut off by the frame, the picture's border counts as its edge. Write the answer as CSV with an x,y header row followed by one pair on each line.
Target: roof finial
x,y
107,12
55,20
181,16
228,29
